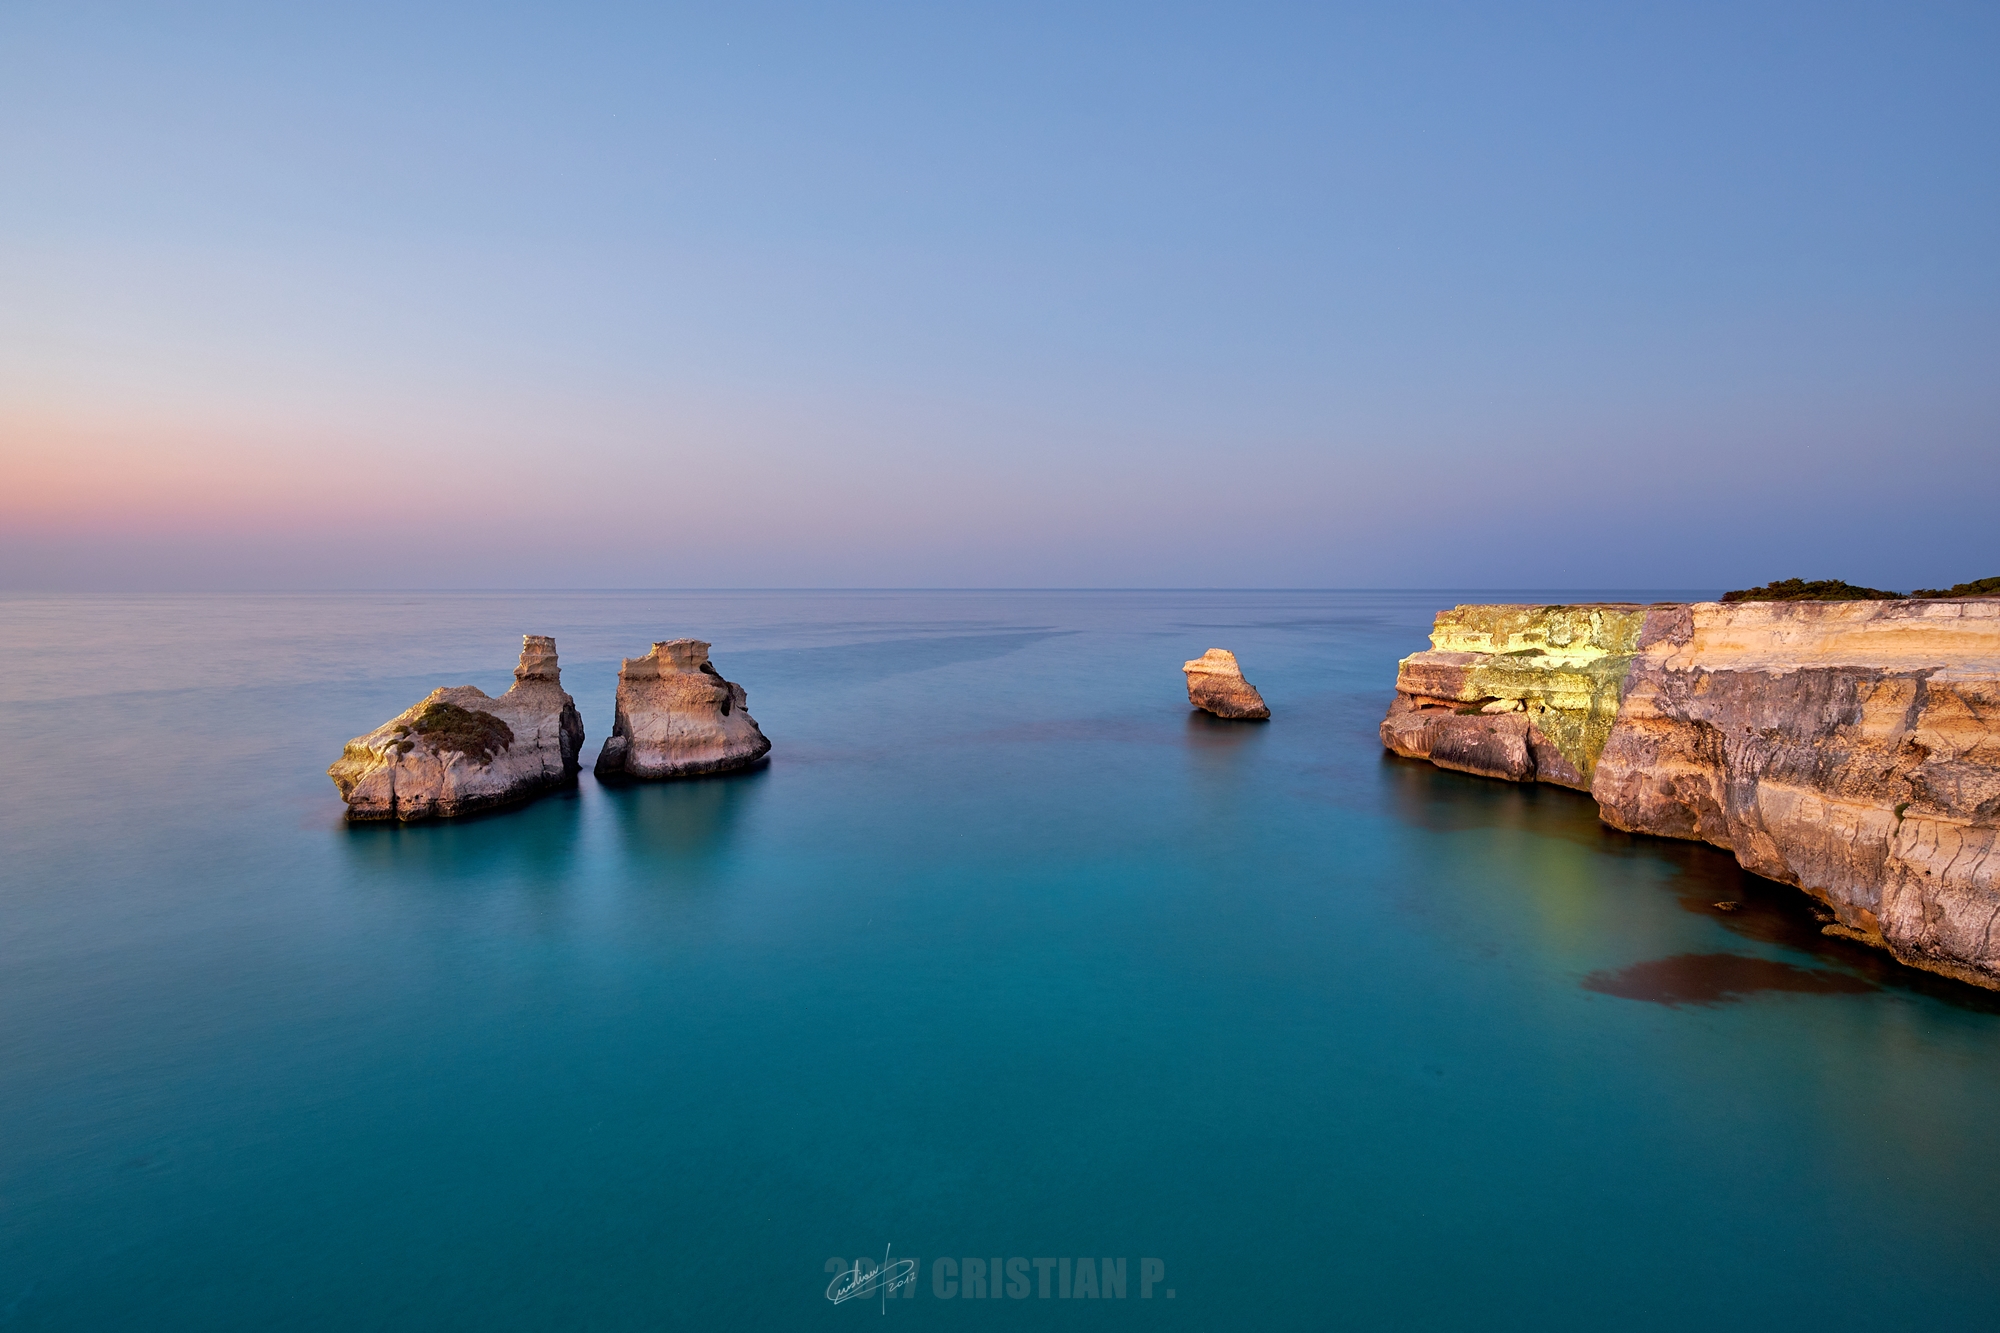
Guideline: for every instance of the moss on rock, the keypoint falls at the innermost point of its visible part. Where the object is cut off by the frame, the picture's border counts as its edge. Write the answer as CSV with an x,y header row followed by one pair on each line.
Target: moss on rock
x,y
1565,664
446,727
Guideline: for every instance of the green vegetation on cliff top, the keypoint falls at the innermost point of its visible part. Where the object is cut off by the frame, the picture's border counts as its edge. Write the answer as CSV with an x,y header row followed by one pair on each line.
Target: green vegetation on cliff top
x,y
1976,588
1834,590
1819,590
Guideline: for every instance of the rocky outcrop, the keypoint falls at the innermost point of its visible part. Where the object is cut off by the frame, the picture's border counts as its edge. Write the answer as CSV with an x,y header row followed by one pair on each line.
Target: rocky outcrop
x,y
1526,693
678,718
1215,685
1849,748
461,750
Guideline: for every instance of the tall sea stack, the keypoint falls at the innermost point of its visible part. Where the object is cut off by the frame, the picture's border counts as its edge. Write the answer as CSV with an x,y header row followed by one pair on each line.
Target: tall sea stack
x,y
678,718
461,750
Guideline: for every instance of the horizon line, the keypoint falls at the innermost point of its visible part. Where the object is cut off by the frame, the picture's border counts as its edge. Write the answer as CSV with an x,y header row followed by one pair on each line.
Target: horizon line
x,y
348,592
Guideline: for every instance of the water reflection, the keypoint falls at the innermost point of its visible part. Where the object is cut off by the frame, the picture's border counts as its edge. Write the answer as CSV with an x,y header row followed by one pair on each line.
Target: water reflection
x,y
1210,736
1437,800
691,821
537,840
1705,881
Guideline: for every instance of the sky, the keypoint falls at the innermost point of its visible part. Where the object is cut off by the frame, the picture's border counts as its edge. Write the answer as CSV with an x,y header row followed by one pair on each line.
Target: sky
x,y
998,295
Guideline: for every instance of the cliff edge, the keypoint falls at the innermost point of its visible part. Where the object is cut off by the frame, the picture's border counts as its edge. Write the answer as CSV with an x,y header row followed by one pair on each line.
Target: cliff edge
x,y
1849,748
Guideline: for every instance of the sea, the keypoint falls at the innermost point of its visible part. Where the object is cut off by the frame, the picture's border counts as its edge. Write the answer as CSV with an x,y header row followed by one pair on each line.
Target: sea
x,y
1009,993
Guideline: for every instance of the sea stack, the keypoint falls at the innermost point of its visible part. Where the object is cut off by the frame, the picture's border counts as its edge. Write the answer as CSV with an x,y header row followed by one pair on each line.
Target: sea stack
x,y
1850,748
678,718
461,750
1215,685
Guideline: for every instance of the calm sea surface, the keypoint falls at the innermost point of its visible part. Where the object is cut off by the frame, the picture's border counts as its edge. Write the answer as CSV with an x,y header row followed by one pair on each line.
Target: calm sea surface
x,y
1005,954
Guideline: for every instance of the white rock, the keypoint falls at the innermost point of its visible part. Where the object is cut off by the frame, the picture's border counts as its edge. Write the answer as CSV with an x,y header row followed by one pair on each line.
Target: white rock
x,y
461,750
678,718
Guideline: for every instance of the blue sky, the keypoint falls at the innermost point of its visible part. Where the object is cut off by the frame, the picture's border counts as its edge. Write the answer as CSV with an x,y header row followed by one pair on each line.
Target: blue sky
x,y
1538,295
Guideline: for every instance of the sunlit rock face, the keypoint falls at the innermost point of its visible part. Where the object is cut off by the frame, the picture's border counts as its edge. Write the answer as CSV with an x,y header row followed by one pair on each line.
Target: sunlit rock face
x,y
1526,693
1849,748
677,718
1215,685
460,750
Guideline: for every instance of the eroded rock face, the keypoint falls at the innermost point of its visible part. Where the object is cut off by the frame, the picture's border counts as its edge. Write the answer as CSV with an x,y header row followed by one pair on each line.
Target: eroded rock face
x,y
1526,693
1849,748
461,750
677,718
1215,685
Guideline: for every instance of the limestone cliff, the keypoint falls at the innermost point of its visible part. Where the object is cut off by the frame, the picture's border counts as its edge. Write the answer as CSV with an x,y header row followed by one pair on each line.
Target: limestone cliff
x,y
1527,693
1849,748
461,750
1215,685
677,717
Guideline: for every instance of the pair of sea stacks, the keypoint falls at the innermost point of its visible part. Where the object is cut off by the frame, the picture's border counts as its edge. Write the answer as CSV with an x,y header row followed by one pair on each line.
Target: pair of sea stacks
x,y
461,751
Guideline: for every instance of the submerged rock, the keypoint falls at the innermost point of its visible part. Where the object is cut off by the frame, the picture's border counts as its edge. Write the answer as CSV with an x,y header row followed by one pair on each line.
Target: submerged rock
x,y
1215,685
461,750
678,718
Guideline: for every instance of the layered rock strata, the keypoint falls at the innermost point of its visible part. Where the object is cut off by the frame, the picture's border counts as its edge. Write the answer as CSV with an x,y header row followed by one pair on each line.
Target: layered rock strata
x,y
677,718
461,750
1215,685
1849,748
1527,693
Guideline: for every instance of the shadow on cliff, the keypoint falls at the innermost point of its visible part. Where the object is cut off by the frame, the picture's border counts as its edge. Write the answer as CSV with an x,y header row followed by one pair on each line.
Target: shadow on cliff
x,y
536,839
686,822
1707,882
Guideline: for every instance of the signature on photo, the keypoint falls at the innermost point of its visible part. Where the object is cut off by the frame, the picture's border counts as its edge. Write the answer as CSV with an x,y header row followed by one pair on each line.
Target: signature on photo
x,y
868,1280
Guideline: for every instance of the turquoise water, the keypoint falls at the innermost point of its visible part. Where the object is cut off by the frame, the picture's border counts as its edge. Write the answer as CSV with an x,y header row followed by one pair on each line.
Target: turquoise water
x,y
1006,954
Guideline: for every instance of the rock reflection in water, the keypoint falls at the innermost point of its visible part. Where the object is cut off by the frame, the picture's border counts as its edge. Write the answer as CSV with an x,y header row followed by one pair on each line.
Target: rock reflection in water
x,y
537,841
682,822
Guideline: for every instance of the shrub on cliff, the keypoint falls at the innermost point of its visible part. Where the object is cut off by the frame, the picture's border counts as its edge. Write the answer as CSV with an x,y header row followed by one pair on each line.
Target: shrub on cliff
x,y
474,734
1819,590
1976,588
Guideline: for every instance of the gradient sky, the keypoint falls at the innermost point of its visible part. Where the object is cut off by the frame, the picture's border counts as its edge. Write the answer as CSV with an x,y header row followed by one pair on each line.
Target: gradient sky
x,y
1011,295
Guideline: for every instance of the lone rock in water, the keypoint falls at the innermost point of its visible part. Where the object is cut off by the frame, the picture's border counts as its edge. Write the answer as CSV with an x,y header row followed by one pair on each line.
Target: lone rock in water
x,y
1215,685
678,718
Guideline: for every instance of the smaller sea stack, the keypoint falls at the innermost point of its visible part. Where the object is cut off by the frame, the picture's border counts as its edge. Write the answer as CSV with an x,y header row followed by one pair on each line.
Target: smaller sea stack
x,y
678,718
461,750
1215,685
